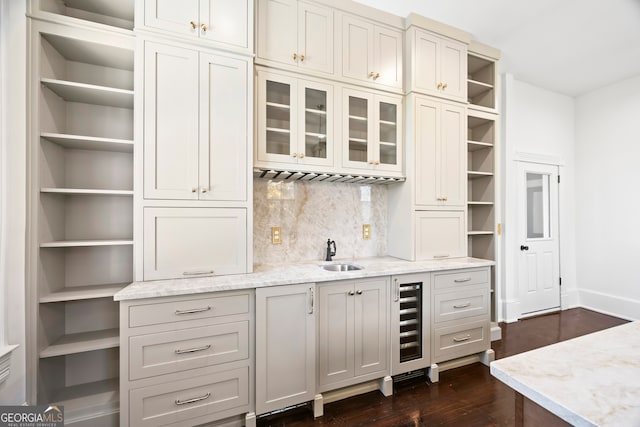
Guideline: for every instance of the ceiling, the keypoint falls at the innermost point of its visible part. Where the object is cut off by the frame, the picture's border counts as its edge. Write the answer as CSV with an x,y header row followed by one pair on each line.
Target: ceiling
x,y
566,46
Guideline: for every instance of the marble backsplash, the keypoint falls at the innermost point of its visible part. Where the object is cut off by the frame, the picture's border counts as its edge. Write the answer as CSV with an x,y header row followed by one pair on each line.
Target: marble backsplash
x,y
310,213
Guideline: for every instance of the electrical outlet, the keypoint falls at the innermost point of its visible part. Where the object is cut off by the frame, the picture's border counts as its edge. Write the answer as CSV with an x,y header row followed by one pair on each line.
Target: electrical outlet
x,y
276,235
366,231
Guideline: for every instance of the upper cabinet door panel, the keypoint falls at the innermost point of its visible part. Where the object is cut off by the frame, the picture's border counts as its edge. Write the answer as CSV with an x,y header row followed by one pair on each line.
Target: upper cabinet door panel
x,y
357,48
426,55
453,155
388,57
427,123
223,128
170,122
315,38
454,68
277,30
226,21
173,16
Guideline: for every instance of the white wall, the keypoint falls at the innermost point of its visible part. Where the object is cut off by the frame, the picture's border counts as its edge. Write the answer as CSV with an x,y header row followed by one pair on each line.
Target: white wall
x,y
607,198
536,122
13,185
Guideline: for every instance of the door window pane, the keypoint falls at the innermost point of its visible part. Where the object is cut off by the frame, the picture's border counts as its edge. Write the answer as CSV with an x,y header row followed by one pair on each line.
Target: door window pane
x,y
537,206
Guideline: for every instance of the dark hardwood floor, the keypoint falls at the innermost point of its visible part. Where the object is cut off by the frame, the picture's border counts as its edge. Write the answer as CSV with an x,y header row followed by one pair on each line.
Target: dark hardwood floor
x,y
467,396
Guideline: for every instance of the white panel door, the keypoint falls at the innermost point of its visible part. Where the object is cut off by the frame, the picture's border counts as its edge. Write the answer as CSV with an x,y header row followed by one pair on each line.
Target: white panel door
x,y
277,30
453,69
453,156
285,346
315,38
371,309
426,54
173,16
440,234
357,48
226,21
170,122
387,57
539,251
427,125
223,127
194,242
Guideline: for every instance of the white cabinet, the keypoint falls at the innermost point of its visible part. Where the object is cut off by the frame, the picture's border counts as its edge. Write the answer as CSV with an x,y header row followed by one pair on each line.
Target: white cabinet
x,y
295,120
295,34
371,53
193,242
440,234
227,23
285,346
438,65
372,126
353,332
410,322
440,155
195,124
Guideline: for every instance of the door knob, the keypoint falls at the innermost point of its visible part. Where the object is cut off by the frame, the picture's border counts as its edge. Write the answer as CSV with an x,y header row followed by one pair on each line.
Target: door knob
x,y
524,248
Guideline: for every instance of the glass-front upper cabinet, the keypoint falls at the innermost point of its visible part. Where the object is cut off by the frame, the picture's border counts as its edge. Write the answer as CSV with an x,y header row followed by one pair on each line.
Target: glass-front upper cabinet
x,y
372,131
295,121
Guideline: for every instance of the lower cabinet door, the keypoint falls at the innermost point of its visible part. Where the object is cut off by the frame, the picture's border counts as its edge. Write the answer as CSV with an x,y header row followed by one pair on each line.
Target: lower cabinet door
x,y
215,396
194,242
371,308
440,234
285,346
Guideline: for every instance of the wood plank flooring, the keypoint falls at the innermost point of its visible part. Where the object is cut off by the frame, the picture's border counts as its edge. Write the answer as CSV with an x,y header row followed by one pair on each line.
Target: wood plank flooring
x,y
467,396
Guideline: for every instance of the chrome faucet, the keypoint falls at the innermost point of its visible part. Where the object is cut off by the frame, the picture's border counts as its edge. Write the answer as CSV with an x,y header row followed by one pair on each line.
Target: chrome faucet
x,y
330,252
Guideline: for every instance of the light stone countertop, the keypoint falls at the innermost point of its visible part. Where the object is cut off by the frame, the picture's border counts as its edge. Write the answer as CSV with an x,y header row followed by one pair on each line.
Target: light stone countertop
x,y
593,380
287,274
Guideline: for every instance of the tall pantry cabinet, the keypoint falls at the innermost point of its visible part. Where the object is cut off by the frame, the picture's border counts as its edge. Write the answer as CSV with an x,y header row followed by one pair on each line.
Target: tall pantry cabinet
x,y
81,154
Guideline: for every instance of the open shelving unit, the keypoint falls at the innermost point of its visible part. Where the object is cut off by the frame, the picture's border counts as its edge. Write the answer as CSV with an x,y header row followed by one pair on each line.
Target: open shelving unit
x,y
81,202
481,81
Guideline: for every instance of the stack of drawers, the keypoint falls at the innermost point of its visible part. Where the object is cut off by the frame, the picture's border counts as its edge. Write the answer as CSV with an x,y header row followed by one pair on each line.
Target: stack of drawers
x,y
460,323
190,359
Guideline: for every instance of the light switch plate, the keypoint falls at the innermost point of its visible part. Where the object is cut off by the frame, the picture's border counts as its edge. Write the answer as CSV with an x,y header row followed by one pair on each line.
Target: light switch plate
x,y
366,231
276,235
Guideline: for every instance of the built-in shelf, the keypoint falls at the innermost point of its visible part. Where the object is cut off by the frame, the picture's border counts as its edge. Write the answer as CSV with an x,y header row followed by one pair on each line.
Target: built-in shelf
x,y
358,140
389,144
477,145
277,105
84,243
478,174
78,293
90,94
316,135
278,130
81,142
86,400
78,50
86,191
474,203
319,112
385,122
475,88
360,118
82,342
479,233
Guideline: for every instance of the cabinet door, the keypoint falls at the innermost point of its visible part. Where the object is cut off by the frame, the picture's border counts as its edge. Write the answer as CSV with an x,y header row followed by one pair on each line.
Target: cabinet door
x,y
427,164
226,21
371,325
277,30
223,127
315,116
170,122
315,38
426,54
277,124
285,346
440,234
388,133
387,46
173,16
453,163
194,242
358,129
335,329
357,48
453,69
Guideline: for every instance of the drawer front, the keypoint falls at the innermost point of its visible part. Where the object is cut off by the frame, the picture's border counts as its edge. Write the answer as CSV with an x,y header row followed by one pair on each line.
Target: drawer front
x,y
460,278
461,304
177,311
463,340
174,351
182,400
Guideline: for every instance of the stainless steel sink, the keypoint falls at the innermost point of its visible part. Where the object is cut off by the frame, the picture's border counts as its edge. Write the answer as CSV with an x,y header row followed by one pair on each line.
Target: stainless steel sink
x,y
341,267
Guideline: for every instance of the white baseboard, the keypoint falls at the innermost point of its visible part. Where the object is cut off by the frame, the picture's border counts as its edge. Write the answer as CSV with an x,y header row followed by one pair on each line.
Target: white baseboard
x,y
570,299
624,308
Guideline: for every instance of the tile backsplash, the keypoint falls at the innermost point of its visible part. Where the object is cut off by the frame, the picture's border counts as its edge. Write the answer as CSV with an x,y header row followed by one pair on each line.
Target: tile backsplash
x,y
310,213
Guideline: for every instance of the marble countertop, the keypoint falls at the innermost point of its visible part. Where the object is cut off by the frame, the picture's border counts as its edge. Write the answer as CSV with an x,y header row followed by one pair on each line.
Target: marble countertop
x,y
593,380
287,274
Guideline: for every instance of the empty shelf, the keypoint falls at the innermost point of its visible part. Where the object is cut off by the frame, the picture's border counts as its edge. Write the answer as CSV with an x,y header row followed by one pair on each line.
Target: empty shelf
x,y
77,293
479,233
88,400
82,342
82,243
80,142
477,145
86,191
475,88
477,174
90,94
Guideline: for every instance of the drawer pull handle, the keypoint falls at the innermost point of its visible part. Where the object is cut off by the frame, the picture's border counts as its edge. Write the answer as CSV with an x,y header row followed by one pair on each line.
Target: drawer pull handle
x,y
194,400
198,273
193,350
193,310
462,305
441,256
466,279
463,339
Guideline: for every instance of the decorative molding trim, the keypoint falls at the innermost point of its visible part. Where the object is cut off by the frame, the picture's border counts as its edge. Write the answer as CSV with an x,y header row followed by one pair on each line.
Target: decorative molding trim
x,y
612,305
545,159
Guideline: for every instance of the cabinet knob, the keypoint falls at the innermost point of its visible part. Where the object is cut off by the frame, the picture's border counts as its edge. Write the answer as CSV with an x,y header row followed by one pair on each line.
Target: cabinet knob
x,y
295,56
377,76
444,199
371,74
204,28
301,58
444,86
351,293
301,155
377,162
294,155
204,190
359,292
193,25
439,85
194,189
